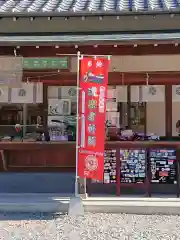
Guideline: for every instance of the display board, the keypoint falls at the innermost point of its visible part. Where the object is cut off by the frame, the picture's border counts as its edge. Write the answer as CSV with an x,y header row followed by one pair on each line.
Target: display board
x,y
109,167
132,165
163,166
27,93
57,134
46,63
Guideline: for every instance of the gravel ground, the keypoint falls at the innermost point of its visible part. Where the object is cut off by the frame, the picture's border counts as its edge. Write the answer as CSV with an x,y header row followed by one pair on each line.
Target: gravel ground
x,y
91,226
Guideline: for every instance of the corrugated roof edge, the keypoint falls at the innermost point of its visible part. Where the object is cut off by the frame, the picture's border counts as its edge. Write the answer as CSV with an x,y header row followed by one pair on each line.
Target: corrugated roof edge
x,y
90,14
84,39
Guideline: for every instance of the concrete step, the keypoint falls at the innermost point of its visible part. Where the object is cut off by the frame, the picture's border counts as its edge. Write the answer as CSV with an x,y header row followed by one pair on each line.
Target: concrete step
x,y
133,207
37,182
34,203
134,199
60,204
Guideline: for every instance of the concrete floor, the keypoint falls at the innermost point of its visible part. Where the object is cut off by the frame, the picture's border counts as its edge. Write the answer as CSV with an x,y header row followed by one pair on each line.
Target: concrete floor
x,y
37,182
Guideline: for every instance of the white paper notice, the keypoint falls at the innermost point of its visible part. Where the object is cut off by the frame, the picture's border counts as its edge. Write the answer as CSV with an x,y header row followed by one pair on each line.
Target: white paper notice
x,y
39,92
4,91
23,94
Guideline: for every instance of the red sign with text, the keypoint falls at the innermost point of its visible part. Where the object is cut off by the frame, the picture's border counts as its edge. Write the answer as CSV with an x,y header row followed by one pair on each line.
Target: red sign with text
x,y
92,116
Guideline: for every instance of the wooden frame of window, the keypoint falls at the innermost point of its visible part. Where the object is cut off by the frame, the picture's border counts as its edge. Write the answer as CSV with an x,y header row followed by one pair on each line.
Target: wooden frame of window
x,y
168,103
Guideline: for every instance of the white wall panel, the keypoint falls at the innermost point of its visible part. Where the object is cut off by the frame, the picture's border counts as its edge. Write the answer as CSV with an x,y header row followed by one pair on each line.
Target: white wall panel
x,y
25,94
155,115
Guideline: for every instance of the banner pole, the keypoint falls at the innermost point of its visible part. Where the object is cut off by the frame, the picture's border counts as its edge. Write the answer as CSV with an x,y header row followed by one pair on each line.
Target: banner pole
x,y
77,125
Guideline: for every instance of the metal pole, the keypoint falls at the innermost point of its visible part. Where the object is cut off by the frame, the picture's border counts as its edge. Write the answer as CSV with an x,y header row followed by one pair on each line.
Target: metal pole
x,y
85,55
77,125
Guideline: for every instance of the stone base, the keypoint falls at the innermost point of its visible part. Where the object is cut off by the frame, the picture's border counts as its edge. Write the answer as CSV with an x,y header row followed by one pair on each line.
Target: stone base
x,y
76,207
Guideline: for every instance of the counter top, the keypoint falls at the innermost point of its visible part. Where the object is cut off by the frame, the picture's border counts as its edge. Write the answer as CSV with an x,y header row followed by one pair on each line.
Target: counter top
x,y
64,144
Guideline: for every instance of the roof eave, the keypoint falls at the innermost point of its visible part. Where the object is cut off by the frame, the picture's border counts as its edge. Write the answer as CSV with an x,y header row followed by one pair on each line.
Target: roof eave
x,y
90,14
104,39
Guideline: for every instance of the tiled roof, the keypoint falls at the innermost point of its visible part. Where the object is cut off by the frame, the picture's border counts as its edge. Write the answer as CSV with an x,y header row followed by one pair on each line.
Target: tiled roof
x,y
88,6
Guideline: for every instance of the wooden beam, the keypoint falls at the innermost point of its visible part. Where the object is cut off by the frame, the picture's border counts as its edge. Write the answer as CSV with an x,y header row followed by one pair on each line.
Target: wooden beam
x,y
115,78
52,51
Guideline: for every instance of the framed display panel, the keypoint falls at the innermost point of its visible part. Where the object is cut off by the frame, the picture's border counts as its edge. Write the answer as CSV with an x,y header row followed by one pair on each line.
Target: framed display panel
x,y
175,93
163,166
29,93
65,106
69,93
133,166
25,94
58,107
54,92
58,127
57,133
153,93
109,167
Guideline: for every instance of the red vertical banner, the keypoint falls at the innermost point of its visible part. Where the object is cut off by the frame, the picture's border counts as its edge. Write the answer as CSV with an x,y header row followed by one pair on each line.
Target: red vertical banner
x,y
92,116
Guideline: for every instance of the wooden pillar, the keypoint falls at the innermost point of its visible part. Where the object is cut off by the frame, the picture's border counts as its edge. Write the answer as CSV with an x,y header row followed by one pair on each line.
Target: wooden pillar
x,y
118,172
168,110
45,104
129,106
25,114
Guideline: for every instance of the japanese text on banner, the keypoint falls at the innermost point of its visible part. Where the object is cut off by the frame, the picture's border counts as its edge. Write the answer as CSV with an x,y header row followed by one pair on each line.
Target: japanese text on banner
x,y
92,114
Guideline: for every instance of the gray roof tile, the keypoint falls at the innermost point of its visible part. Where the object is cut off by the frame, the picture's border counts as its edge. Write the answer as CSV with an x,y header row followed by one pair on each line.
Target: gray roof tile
x,y
90,6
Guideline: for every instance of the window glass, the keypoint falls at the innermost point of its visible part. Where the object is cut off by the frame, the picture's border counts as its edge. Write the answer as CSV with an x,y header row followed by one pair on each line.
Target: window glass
x,y
62,107
17,108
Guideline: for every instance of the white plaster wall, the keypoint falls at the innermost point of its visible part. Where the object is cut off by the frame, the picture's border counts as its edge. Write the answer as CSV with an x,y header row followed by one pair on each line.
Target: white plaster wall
x,y
175,116
155,115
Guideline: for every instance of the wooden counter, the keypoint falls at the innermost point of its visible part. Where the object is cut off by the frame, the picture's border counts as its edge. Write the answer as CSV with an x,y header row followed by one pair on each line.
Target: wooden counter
x,y
57,156
38,156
